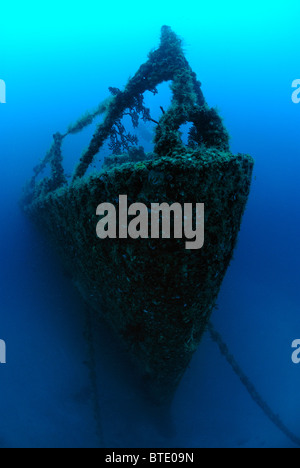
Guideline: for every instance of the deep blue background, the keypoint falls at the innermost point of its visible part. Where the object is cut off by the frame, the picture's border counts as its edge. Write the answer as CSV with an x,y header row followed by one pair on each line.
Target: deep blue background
x,y
57,61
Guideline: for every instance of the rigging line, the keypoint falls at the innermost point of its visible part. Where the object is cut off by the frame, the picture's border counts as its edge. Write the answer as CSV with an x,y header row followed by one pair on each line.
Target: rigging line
x,y
91,364
216,337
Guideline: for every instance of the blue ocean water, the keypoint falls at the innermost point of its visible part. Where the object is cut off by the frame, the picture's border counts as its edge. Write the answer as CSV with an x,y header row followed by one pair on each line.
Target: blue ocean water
x,y
58,61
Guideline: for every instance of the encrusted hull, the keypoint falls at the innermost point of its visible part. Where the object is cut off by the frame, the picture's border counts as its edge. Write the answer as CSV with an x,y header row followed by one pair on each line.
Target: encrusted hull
x,y
156,295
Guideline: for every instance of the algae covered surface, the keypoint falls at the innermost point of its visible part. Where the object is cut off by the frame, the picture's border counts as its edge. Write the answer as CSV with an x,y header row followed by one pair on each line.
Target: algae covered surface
x,y
156,295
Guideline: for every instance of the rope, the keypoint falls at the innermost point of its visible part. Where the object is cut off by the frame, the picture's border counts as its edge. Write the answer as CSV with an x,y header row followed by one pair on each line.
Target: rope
x,y
166,63
216,337
54,154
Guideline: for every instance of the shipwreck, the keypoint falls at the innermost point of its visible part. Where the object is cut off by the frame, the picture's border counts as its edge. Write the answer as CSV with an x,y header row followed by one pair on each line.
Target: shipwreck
x,y
156,295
